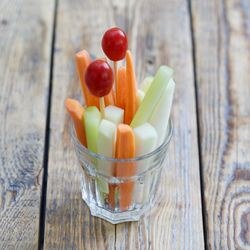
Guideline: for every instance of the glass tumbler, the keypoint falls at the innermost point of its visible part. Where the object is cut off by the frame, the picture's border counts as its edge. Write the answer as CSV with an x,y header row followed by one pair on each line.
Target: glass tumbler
x,y
120,190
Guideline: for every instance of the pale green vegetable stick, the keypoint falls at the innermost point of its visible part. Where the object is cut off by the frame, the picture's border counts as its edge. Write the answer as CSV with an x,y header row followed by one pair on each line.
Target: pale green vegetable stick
x,y
114,114
146,83
152,96
160,117
140,95
106,147
92,119
145,142
145,139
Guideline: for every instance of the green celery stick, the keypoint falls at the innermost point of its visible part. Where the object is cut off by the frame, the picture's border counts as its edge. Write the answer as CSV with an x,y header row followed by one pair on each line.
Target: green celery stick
x,y
140,95
92,119
145,142
160,116
145,139
114,114
146,83
152,96
106,147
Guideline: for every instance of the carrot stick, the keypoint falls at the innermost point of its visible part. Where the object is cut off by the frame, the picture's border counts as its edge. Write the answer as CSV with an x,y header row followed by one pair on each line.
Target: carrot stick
x,y
125,148
111,195
130,90
109,99
120,88
82,62
76,112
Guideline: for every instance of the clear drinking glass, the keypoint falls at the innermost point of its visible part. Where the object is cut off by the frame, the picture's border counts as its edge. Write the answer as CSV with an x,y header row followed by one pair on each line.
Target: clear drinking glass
x,y
120,190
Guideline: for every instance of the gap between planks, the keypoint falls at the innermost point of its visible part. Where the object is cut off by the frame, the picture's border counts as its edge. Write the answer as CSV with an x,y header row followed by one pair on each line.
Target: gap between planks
x,y
47,136
203,201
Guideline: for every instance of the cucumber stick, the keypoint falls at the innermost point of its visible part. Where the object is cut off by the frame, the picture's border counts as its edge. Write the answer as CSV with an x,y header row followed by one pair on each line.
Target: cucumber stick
x,y
106,147
140,95
146,83
145,142
92,120
145,139
154,93
160,116
114,114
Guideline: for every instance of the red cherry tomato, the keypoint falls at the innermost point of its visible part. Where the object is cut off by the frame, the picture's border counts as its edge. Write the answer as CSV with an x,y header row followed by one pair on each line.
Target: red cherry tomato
x,y
99,78
115,44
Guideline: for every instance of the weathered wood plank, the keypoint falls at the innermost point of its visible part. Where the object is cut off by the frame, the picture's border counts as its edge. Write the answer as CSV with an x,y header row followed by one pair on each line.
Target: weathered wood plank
x,y
222,46
159,33
25,41
69,225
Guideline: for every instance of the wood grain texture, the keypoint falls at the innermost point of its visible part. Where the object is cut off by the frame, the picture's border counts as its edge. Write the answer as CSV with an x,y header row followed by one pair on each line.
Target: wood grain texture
x,y
222,48
69,225
25,40
159,33
176,221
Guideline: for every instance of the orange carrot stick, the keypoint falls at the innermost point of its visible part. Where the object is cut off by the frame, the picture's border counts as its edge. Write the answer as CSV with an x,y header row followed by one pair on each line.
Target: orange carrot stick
x,y
125,148
76,112
130,90
111,195
82,62
121,83
109,99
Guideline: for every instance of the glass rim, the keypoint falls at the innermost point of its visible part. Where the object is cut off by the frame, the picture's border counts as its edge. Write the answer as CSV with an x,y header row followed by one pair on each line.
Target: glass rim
x,y
122,160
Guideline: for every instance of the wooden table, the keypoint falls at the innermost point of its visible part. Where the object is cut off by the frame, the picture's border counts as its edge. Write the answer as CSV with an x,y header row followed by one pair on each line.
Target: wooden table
x,y
206,187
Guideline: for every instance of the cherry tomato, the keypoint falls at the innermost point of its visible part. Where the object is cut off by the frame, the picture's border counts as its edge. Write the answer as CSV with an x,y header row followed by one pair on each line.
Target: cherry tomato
x,y
115,44
99,78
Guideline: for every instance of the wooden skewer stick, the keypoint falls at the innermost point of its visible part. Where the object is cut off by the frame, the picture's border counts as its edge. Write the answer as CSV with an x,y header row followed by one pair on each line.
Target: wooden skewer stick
x,y
116,79
102,106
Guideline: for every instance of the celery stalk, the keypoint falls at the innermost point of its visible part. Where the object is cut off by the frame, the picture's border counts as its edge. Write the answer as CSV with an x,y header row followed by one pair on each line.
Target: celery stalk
x,y
152,96
92,120
114,114
106,147
160,117
146,83
145,139
140,95
145,142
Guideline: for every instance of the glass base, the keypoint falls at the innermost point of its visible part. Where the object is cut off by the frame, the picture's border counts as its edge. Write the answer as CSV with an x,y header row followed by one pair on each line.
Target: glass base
x,y
115,217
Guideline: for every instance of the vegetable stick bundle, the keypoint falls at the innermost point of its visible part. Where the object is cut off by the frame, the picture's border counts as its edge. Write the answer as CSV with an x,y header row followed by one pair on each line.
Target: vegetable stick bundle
x,y
120,120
